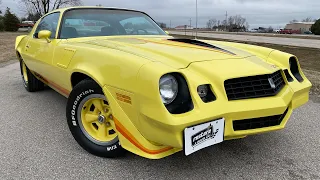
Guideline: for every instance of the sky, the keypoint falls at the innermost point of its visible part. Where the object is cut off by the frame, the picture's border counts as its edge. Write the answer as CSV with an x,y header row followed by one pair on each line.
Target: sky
x,y
275,13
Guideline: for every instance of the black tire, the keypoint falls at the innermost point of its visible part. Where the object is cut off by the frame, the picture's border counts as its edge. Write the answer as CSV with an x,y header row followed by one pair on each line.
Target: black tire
x,y
30,82
77,98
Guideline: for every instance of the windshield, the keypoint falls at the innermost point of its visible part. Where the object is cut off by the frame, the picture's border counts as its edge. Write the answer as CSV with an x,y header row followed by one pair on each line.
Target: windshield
x,y
106,22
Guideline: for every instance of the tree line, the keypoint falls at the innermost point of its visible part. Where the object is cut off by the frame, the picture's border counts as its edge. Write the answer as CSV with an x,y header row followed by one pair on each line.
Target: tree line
x,y
37,8
34,10
41,7
308,19
315,28
232,24
9,21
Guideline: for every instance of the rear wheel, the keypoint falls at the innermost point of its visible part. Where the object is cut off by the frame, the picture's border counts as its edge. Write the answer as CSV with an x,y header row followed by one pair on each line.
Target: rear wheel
x,y
90,120
30,82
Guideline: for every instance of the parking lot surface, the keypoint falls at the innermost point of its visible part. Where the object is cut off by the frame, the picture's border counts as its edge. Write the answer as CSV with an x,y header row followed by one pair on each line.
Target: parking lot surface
x,y
35,143
311,43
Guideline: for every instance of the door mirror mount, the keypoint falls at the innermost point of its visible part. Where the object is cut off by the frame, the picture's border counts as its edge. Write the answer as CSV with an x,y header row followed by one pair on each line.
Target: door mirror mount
x,y
45,34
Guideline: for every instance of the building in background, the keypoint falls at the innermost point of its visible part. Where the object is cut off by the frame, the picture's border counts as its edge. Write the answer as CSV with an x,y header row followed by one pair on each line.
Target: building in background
x,y
183,27
300,26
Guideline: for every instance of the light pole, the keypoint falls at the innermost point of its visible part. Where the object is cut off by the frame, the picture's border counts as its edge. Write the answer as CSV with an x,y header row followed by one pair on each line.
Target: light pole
x,y
196,18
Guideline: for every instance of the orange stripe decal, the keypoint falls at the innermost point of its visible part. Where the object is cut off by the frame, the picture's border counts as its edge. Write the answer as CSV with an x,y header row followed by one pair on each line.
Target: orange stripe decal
x,y
61,89
135,142
50,83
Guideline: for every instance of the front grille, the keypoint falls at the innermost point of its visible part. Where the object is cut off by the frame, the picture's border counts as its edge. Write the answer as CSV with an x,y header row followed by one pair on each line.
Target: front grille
x,y
254,86
259,122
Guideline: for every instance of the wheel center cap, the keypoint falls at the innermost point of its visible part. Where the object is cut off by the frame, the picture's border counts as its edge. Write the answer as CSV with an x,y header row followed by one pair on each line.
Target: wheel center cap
x,y
101,118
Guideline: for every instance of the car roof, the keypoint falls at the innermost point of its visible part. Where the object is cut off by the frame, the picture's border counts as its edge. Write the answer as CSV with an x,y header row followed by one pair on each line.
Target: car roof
x,y
92,7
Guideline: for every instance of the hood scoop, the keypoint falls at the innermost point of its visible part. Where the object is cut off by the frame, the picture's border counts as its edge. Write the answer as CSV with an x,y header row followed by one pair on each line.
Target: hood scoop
x,y
200,43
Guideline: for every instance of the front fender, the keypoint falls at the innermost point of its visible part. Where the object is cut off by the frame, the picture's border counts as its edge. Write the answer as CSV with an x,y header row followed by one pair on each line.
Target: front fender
x,y
107,66
90,71
18,40
300,89
280,59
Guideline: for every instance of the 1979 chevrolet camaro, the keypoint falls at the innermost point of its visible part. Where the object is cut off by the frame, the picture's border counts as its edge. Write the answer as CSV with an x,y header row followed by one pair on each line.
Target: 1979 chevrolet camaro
x,y
131,86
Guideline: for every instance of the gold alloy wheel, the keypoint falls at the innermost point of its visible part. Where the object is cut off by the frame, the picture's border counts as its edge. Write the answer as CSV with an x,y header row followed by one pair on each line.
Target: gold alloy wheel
x,y
96,120
24,72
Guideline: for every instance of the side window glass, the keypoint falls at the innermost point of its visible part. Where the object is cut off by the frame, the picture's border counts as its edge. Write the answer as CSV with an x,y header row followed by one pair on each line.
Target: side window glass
x,y
50,23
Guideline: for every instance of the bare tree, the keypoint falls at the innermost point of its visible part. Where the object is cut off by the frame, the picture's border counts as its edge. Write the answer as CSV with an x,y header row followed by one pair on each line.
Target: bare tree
x,y
44,6
237,23
161,24
211,23
240,21
214,23
230,21
308,19
270,29
224,23
293,21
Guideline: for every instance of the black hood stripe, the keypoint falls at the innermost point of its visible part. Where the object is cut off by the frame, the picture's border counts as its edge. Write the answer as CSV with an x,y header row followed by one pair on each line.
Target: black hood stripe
x,y
200,43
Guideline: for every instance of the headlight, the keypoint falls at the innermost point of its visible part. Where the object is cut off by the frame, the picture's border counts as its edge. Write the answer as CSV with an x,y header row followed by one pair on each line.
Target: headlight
x,y
168,87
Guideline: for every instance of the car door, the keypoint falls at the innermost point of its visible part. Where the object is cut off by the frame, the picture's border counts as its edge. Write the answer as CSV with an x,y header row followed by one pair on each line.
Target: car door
x,y
40,52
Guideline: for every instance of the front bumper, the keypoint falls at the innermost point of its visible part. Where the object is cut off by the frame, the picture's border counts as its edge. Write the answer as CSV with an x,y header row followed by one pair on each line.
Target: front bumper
x,y
172,134
154,133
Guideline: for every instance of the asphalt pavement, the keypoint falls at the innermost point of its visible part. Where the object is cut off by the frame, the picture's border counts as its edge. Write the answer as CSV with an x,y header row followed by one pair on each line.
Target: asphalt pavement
x,y
35,143
310,43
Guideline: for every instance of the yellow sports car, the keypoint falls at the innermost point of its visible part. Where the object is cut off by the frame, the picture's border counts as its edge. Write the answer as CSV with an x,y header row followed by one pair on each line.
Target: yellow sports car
x,y
131,86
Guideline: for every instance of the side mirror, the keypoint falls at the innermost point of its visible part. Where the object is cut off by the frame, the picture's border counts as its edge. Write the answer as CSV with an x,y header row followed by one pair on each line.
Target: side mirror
x,y
167,32
45,34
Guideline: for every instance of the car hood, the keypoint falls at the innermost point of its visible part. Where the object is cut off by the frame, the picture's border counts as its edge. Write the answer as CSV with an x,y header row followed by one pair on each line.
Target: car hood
x,y
177,54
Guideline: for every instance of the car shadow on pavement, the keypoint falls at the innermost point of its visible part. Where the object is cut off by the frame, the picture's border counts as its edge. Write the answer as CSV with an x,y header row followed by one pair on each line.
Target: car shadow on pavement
x,y
250,157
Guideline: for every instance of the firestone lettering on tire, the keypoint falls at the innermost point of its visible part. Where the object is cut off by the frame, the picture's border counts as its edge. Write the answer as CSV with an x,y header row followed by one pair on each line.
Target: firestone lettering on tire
x,y
73,111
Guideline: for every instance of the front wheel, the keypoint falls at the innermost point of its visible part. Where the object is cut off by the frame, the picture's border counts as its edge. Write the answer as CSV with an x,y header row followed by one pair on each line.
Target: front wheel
x,y
30,82
90,120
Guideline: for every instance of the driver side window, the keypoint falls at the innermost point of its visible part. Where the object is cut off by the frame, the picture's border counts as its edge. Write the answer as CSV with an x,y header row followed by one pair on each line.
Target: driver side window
x,y
50,23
